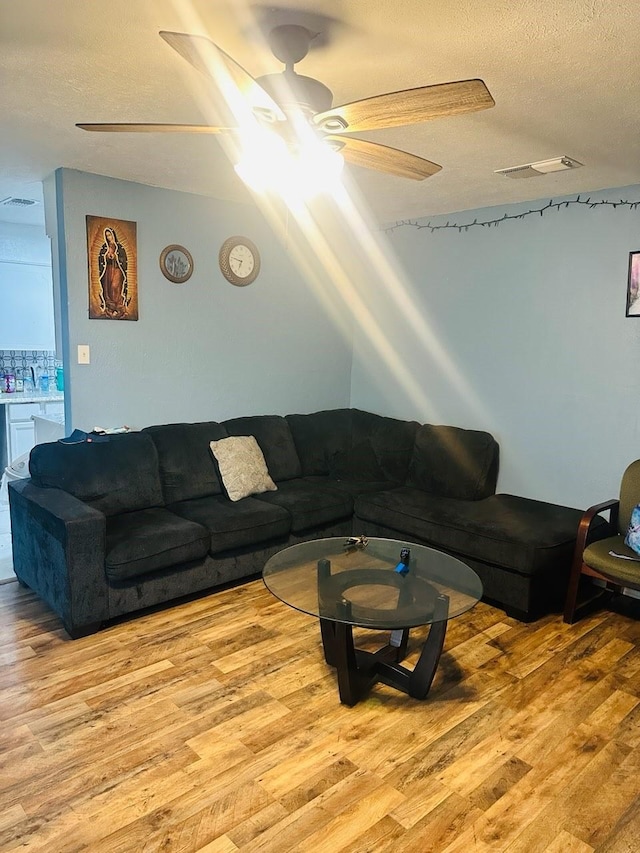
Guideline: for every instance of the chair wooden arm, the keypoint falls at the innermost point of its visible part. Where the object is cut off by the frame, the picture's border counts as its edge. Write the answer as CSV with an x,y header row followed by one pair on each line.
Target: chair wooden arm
x,y
582,540
584,528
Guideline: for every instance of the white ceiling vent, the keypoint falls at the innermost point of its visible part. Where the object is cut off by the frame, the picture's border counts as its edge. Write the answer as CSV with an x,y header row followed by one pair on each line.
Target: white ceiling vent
x,y
543,167
12,201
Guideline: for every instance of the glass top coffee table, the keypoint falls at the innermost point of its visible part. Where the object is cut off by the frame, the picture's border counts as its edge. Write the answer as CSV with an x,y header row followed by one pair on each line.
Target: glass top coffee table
x,y
384,584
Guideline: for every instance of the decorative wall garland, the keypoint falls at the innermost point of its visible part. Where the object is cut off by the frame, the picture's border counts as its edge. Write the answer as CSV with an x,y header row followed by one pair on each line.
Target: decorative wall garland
x,y
552,205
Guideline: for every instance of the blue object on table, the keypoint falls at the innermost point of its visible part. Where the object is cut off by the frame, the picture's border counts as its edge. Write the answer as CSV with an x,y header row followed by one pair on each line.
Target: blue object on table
x,y
59,379
403,566
44,383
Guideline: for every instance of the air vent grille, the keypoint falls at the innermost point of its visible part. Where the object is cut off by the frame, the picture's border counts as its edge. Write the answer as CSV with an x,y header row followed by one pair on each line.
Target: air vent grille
x,y
519,172
12,201
543,167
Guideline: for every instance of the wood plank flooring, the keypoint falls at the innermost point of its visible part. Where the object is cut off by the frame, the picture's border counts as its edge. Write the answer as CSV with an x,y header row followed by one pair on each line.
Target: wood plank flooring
x,y
215,726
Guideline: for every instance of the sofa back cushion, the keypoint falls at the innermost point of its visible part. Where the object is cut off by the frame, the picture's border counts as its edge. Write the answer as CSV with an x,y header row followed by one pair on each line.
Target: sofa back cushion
x,y
390,439
187,468
274,438
454,463
319,438
118,475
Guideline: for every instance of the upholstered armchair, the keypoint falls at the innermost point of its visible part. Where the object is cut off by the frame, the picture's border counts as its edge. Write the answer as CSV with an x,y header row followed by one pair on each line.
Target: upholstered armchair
x,y
608,558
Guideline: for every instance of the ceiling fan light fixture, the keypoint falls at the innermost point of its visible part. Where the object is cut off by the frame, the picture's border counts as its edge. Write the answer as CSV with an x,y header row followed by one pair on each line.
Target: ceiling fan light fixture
x,y
334,124
268,164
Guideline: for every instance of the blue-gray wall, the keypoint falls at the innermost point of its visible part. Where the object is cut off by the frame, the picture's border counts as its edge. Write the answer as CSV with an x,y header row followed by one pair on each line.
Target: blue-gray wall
x,y
518,329
203,350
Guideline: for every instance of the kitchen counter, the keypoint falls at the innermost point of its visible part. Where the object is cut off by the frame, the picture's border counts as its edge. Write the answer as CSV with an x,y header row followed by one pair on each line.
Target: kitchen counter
x,y
31,397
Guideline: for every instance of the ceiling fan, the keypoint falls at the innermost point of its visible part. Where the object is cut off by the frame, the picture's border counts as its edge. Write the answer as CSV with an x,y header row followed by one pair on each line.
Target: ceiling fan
x,y
277,100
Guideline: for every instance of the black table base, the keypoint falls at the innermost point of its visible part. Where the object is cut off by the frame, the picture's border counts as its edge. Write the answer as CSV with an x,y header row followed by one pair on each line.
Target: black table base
x,y
359,670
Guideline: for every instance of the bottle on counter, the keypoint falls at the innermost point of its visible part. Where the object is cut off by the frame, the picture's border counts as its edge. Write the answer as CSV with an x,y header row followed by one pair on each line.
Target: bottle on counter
x,y
44,383
19,380
28,382
59,379
9,383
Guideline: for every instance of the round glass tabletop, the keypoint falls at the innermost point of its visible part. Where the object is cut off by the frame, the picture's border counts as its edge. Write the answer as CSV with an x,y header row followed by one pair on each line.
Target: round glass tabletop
x,y
372,585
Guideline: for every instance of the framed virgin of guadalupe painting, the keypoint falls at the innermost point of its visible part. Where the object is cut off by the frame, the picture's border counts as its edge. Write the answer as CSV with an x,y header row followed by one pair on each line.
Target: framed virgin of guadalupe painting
x,y
113,268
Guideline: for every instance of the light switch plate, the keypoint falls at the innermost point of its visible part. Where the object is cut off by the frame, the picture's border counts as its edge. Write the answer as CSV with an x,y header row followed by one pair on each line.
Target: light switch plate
x,y
84,355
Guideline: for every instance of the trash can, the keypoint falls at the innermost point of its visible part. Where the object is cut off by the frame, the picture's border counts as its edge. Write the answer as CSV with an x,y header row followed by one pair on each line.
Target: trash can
x,y
16,470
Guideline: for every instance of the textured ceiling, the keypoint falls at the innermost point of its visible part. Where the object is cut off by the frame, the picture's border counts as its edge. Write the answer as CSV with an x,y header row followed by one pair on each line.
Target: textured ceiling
x,y
563,74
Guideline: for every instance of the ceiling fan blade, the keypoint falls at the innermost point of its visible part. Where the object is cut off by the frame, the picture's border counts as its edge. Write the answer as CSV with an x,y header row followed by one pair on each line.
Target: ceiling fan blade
x,y
124,127
207,57
371,155
410,106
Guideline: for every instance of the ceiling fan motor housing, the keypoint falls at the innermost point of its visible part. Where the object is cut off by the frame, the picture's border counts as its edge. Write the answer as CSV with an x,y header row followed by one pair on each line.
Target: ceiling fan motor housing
x,y
292,91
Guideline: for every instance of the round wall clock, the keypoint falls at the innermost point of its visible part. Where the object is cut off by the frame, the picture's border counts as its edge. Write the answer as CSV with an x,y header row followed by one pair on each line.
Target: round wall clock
x,y
176,263
239,261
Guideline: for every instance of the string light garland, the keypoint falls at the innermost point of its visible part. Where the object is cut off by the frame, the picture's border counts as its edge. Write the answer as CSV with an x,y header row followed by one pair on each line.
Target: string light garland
x,y
489,223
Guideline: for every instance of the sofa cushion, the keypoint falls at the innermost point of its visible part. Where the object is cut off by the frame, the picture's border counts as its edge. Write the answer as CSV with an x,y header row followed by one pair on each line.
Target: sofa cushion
x,y
151,539
358,463
513,532
319,436
308,504
391,440
186,467
242,468
118,475
351,487
235,525
454,463
273,434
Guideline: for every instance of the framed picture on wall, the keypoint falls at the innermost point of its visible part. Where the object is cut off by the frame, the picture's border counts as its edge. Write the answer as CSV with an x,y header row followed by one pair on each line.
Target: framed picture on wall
x,y
633,285
176,263
113,268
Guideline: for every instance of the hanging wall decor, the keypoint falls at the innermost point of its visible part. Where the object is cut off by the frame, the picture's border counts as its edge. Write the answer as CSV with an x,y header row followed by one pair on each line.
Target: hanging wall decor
x,y
113,269
633,285
176,263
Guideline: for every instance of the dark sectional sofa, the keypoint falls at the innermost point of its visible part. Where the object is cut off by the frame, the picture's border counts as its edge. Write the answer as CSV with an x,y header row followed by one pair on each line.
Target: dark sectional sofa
x,y
104,529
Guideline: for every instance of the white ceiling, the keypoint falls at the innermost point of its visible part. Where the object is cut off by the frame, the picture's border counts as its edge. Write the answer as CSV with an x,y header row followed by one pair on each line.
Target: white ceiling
x,y
564,75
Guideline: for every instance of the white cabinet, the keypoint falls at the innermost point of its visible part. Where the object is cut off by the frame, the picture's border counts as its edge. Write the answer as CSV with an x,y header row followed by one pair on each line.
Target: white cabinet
x,y
21,438
20,426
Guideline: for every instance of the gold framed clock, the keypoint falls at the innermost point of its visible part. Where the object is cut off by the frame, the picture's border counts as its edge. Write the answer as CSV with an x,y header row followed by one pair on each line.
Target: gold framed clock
x,y
239,261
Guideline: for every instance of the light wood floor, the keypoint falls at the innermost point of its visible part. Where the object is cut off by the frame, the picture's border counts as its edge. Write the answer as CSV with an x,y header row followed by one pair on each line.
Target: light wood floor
x,y
215,726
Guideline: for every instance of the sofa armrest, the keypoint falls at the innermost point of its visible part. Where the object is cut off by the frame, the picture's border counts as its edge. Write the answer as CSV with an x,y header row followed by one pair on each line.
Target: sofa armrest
x,y
59,552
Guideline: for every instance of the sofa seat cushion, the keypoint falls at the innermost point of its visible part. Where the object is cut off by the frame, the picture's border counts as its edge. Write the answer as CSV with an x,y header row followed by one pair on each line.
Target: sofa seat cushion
x,y
352,487
235,525
151,539
517,533
309,505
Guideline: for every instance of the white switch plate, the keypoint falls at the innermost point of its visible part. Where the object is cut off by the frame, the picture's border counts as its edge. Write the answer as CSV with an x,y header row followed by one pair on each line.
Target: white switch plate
x,y
84,356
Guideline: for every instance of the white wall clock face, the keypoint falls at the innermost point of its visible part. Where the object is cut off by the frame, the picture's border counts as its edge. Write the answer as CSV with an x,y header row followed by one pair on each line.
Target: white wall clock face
x,y
239,261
